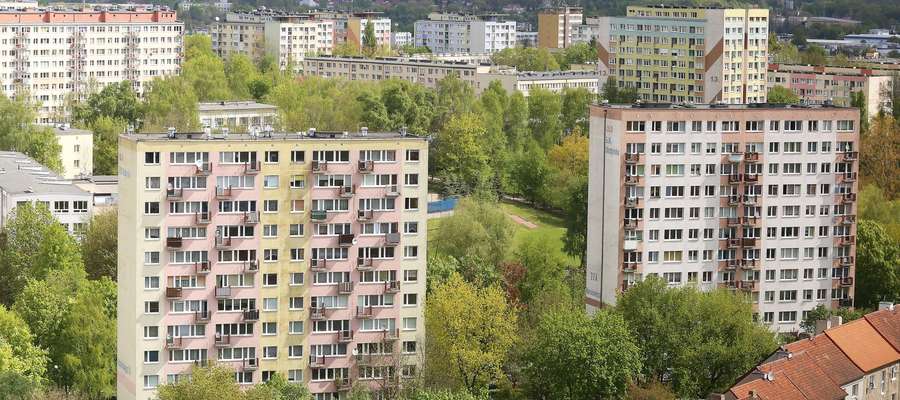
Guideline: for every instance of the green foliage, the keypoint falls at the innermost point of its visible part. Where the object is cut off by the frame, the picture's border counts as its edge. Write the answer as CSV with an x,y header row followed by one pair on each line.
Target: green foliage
x,y
411,49
781,95
579,53
407,105
474,269
99,245
459,158
858,100
473,329
88,338
874,206
702,341
369,42
106,132
877,265
515,122
526,59
442,395
576,104
544,110
479,229
22,364
19,133
453,97
813,55
880,161
545,274
531,174
117,101
324,104
573,356
215,382
821,313
170,102
616,95
242,77
281,389
203,70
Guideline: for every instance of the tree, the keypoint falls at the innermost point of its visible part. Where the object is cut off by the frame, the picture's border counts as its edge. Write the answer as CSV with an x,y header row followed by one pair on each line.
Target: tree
x,y
515,122
880,164
106,132
877,265
532,174
601,347
578,53
459,158
58,251
408,105
477,228
821,313
241,73
204,70
781,95
89,340
324,104
284,390
369,42
576,104
20,360
699,341
874,206
117,101
19,133
544,109
616,95
170,102
472,329
99,245
575,209
813,55
568,163
453,97
215,382
858,100
526,59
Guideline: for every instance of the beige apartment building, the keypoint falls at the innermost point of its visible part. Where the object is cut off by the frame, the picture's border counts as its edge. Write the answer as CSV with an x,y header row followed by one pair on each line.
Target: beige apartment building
x,y
558,28
287,37
822,84
76,151
687,54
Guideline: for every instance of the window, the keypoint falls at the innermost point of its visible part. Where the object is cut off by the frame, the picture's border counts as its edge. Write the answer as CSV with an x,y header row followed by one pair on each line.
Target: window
x,y
410,299
151,356
296,278
151,208
151,158
271,156
409,323
298,156
295,327
151,381
151,307
269,352
298,182
412,155
269,328
845,125
151,233
295,230
151,182
410,275
411,179
270,279
295,351
270,181
151,332
410,251
411,203
151,282
270,205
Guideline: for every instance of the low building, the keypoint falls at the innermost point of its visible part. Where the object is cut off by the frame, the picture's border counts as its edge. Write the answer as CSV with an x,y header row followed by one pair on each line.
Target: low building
x,y
236,115
554,81
77,150
526,39
821,84
103,188
856,360
453,33
23,180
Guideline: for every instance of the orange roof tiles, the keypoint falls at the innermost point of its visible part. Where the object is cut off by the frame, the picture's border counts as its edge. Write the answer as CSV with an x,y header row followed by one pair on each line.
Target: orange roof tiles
x,y
887,323
828,356
863,345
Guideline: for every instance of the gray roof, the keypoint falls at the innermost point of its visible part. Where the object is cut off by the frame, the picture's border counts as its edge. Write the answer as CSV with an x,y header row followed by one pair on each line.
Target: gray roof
x,y
68,131
311,134
19,174
751,106
234,105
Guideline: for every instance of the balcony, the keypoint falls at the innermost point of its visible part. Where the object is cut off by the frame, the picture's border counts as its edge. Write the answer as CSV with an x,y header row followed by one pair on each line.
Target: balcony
x,y
631,223
733,221
251,315
223,292
632,179
845,219
174,194
731,264
734,179
748,264
848,302
849,155
751,157
734,199
365,167
734,243
316,361
251,168
251,266
202,316
391,239
251,217
250,364
847,281
173,242
202,218
365,360
346,240
173,292
751,178
632,202
392,287
222,340
364,264
364,215
848,198
318,265
391,334
626,285
202,267
223,243
204,169
345,192
319,166
364,312
317,313
173,343
392,191
748,242
223,193
632,158
345,287
848,176
630,266
343,384
750,200
845,261
318,215
748,286
345,336
846,240
728,285
749,221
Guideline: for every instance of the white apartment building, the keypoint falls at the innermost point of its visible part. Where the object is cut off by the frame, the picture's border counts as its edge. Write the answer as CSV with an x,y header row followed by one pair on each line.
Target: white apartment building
x,y
287,37
455,33
400,39
77,150
57,54
23,180
236,115
757,199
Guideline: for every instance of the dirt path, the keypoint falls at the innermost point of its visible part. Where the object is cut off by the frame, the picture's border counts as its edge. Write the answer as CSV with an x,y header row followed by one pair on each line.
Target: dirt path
x,y
522,221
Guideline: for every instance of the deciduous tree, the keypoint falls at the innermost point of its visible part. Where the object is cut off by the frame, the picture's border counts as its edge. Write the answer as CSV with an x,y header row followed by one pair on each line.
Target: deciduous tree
x,y
215,382
459,157
544,108
19,133
89,338
477,228
880,161
781,95
170,102
106,132
877,265
99,245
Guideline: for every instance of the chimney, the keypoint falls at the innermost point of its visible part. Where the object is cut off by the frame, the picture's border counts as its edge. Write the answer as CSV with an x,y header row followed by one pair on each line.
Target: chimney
x,y
833,321
885,305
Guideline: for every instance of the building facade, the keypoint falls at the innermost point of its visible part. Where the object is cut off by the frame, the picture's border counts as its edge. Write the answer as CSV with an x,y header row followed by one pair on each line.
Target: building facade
x,y
23,180
297,254
287,37
400,39
558,27
821,84
76,151
56,55
757,199
455,33
237,115
688,55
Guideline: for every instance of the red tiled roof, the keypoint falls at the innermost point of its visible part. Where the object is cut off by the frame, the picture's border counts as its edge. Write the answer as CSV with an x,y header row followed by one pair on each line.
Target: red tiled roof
x,y
828,356
795,377
887,323
863,345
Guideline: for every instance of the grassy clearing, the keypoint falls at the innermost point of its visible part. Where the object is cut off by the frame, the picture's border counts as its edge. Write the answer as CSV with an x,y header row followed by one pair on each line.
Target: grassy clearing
x,y
549,226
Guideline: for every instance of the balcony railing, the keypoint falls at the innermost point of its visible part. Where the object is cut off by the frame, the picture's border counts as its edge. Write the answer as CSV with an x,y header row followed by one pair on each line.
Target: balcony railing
x,y
204,169
848,176
733,221
365,166
749,221
223,243
391,239
849,155
345,287
345,336
632,179
251,315
343,384
391,334
173,342
748,242
750,200
845,261
751,156
223,292
318,313
316,361
202,316
173,242
318,215
847,281
346,240
364,312
631,202
251,266
345,191
846,240
318,265
250,364
222,340
734,178
632,158
631,223
734,199
392,191
251,217
845,219
751,177
748,264
848,197
364,264
364,215
174,194
173,292
747,285
319,166
202,218
223,192
392,287
734,242
630,266
202,267
251,168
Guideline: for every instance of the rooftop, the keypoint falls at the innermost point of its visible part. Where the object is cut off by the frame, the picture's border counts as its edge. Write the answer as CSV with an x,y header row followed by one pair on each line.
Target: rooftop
x,y
66,130
19,174
751,106
234,105
311,134
863,345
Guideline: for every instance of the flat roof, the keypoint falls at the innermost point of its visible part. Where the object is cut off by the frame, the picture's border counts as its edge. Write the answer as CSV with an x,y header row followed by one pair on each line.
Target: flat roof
x,y
20,174
272,136
234,105
752,106
69,131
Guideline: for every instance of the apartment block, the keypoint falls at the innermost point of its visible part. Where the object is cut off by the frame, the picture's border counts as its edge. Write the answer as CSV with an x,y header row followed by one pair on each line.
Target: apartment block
x,y
24,180
822,84
688,55
287,37
238,116
400,39
558,28
858,360
758,199
350,28
76,150
457,33
300,254
57,54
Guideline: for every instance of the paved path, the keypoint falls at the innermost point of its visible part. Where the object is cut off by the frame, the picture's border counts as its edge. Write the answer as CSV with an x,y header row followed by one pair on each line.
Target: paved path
x,y
522,221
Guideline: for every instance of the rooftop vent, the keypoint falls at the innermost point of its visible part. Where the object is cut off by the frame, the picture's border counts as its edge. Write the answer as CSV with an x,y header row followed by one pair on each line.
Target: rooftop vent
x,y
311,132
170,133
364,131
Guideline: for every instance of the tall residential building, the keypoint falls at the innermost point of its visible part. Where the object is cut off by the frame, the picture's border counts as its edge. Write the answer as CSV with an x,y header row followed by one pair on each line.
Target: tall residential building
x,y
54,55
816,84
558,27
688,55
23,180
456,33
753,198
287,37
350,28
301,254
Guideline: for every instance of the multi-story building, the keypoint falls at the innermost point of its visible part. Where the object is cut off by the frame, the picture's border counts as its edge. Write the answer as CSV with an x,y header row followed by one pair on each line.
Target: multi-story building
x,y
300,254
754,198
58,55
688,55
821,84
76,150
558,27
858,360
350,28
236,115
287,37
400,39
456,33
23,180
